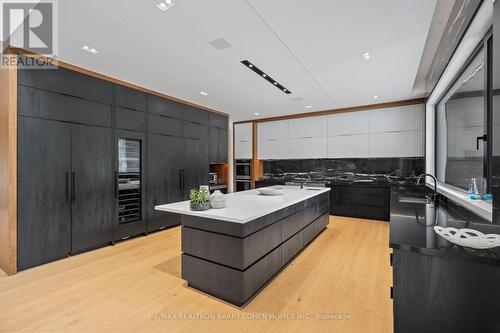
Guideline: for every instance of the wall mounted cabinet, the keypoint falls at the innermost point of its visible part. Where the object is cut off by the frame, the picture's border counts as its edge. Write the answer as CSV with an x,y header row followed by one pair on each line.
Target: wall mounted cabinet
x,y
243,143
388,132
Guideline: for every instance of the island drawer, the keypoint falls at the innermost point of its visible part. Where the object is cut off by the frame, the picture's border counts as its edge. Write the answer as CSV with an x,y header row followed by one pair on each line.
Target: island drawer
x,y
313,229
292,246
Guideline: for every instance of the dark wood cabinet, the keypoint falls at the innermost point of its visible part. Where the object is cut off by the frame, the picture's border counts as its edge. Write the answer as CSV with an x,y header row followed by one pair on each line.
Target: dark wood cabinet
x,y
92,187
164,179
44,205
164,107
360,201
128,119
195,115
65,189
217,145
130,98
196,167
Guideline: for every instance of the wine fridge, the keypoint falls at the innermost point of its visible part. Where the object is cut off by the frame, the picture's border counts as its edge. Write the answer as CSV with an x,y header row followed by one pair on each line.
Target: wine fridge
x,y
129,184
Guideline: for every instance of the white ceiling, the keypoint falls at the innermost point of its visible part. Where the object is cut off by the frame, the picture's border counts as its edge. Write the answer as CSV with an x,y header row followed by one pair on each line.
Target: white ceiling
x,y
314,48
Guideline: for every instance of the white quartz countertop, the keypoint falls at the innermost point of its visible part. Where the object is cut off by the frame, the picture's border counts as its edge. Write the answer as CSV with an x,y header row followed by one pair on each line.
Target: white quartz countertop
x,y
242,207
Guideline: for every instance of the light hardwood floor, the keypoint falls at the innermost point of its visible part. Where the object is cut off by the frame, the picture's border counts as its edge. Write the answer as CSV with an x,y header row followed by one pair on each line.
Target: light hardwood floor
x,y
136,286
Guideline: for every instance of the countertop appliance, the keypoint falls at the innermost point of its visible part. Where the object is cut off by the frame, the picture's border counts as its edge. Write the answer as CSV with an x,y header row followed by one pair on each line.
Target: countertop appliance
x,y
214,178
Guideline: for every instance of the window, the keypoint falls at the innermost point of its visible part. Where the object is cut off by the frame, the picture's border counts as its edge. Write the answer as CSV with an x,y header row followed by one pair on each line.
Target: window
x,y
462,126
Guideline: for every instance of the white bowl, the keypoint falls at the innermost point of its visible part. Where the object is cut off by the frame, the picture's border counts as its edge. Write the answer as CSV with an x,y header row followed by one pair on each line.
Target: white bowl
x,y
270,191
469,237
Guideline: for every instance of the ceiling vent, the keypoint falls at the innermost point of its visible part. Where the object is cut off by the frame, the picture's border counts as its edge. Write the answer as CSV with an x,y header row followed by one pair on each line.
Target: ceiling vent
x,y
220,44
269,79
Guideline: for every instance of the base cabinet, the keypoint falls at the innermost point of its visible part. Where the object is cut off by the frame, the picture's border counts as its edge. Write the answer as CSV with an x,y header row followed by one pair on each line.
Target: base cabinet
x,y
437,294
360,201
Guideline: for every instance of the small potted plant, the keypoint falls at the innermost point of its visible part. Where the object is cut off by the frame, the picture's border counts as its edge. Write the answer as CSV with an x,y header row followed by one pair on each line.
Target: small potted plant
x,y
200,199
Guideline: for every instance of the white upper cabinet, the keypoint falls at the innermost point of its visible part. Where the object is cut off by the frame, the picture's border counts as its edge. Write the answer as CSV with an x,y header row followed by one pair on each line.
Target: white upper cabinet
x,y
349,146
308,148
397,119
309,127
349,123
272,149
243,132
396,144
243,143
272,130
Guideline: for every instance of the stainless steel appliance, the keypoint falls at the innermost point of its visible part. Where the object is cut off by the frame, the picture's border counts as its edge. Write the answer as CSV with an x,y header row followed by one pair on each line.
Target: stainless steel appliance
x,y
242,185
214,178
129,180
243,169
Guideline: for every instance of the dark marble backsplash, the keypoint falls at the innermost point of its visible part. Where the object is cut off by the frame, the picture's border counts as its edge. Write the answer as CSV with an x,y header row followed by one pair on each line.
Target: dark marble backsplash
x,y
331,169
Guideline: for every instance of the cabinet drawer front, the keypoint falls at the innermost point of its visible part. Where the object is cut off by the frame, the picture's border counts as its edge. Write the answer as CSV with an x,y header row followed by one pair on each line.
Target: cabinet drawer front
x,y
273,149
68,82
276,130
130,98
195,115
308,148
396,144
164,125
292,246
217,120
49,105
243,150
349,146
399,118
164,107
292,224
194,130
243,132
373,196
130,119
310,127
349,123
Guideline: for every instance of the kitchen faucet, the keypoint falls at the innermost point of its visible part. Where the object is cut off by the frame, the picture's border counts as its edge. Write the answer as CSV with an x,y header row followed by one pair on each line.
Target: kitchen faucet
x,y
302,180
434,196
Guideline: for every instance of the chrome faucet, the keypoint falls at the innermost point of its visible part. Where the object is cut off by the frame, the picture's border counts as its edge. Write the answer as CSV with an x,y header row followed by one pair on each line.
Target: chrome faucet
x,y
302,180
434,196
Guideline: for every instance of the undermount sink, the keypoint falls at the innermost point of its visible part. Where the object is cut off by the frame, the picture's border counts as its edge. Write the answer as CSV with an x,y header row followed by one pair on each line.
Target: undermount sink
x,y
416,200
312,189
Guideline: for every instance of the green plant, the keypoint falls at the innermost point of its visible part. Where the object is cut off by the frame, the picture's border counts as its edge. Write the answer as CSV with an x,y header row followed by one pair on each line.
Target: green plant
x,y
199,197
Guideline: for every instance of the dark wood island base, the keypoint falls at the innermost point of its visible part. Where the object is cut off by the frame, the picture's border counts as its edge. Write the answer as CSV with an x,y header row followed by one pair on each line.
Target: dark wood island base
x,y
234,261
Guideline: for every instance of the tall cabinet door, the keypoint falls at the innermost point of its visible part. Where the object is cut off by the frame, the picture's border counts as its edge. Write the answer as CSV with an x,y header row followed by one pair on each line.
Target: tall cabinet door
x,y
196,165
164,179
44,207
92,187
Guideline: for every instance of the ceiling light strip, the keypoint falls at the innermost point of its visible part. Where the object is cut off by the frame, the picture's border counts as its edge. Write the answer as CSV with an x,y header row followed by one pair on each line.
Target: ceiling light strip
x,y
265,76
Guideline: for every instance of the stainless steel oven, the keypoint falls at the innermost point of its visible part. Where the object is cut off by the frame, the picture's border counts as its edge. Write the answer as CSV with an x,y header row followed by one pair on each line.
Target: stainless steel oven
x,y
243,169
242,185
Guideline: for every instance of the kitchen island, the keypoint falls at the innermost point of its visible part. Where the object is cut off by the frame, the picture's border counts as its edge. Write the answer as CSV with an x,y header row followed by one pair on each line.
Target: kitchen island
x,y
231,253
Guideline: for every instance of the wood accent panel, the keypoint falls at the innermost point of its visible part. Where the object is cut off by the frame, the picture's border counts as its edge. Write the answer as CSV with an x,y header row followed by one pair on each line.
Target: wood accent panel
x,y
222,171
257,165
341,110
85,71
8,169
127,287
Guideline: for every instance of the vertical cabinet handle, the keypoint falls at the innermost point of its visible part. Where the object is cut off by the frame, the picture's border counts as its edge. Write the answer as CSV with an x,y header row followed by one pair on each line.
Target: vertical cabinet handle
x,y
73,186
181,179
66,176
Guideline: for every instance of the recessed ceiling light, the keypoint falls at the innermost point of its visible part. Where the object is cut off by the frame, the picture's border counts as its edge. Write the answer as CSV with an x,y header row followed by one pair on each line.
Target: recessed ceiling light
x,y
203,93
165,5
89,49
308,106
366,56
375,96
256,113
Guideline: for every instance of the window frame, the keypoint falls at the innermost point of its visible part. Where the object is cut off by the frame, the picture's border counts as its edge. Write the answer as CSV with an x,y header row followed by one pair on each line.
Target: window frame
x,y
485,45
